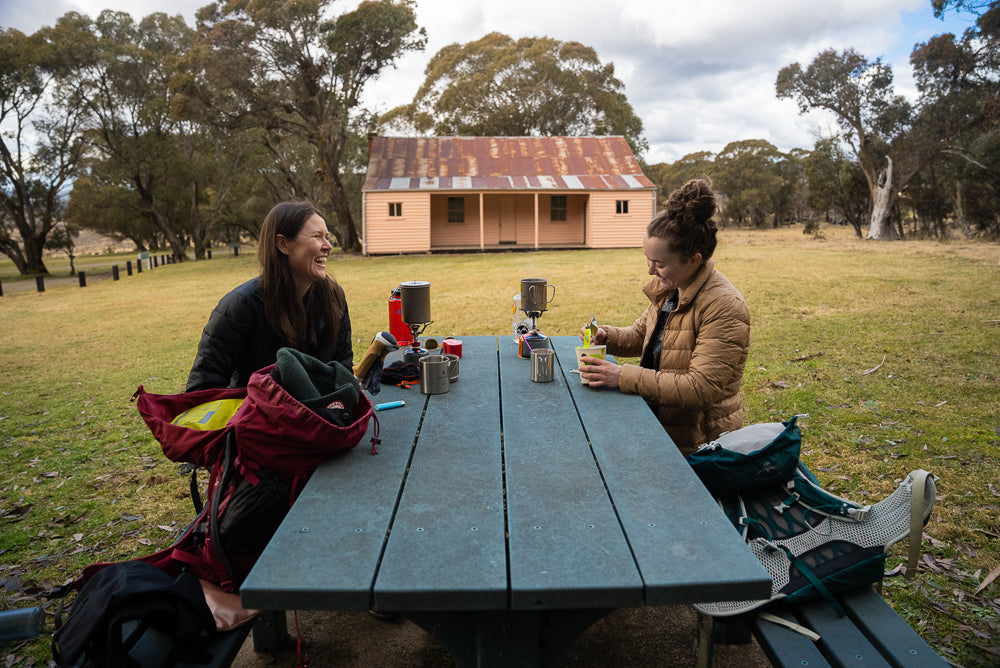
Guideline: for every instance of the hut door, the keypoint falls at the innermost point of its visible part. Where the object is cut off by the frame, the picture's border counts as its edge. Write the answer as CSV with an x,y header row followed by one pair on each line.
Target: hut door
x,y
508,221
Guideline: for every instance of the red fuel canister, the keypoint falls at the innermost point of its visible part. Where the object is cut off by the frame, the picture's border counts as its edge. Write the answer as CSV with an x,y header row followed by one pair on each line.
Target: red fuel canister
x,y
397,327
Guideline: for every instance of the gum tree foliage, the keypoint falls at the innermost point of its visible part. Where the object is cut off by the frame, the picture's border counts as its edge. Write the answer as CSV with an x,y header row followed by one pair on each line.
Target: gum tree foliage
x,y
669,177
121,71
40,146
533,86
836,185
875,121
752,173
891,138
295,72
959,75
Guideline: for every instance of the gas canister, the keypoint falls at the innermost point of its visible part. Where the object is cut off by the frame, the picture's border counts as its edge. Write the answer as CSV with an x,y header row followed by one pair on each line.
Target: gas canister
x,y
397,327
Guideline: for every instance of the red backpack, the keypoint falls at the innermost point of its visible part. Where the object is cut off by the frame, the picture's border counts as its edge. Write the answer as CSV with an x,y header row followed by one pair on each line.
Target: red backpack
x,y
261,444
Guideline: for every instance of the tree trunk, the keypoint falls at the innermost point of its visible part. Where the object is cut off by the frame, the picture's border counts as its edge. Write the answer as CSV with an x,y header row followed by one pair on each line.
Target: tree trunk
x,y
881,228
198,233
346,232
960,219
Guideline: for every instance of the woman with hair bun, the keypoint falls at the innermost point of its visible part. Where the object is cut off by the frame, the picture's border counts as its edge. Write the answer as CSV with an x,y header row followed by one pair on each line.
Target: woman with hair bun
x,y
693,338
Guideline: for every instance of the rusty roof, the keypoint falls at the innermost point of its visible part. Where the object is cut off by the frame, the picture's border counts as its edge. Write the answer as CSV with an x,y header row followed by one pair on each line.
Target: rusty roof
x,y
503,163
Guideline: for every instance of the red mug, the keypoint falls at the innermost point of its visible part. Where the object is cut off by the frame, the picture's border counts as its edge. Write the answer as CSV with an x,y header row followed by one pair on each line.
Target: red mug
x,y
451,347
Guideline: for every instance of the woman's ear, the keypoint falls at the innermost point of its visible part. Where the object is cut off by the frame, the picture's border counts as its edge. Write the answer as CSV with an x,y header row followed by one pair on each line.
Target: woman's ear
x,y
282,243
696,260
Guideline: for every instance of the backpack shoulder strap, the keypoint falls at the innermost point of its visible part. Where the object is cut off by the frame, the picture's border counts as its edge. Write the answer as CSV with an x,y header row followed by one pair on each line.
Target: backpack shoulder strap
x,y
216,501
918,515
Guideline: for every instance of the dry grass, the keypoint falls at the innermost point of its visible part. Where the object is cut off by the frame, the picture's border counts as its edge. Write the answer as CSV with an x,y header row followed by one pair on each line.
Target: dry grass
x,y
82,479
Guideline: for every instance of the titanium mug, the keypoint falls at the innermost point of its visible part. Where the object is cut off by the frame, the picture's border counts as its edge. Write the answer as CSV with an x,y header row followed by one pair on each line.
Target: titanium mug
x,y
453,361
434,374
535,295
543,365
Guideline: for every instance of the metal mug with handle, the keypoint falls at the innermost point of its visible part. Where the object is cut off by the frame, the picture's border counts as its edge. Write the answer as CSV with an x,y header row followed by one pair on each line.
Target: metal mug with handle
x,y
434,374
543,365
535,295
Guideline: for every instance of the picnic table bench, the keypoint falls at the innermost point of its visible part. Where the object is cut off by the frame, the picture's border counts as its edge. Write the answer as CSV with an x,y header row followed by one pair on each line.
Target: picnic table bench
x,y
871,634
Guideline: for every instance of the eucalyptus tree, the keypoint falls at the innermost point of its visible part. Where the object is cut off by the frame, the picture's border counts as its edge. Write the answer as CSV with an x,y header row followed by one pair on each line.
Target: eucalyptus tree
x,y
836,185
533,86
750,173
122,72
669,177
957,76
296,72
40,145
875,122
891,137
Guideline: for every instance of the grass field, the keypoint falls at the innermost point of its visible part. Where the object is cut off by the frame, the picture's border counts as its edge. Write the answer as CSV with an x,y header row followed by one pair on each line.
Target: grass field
x,y
892,350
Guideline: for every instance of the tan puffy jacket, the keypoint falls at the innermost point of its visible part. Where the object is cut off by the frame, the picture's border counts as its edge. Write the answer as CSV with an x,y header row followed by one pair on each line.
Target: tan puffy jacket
x,y
696,392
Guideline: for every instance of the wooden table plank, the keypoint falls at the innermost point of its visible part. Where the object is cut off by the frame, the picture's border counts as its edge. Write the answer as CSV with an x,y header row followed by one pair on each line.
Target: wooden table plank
x,y
687,551
566,546
446,549
325,554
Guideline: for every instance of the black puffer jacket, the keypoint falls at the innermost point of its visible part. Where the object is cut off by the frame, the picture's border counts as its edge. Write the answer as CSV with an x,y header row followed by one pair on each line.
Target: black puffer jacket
x,y
238,341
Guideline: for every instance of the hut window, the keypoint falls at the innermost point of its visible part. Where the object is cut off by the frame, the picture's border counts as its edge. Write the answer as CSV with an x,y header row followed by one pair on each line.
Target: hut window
x,y
456,209
621,206
395,209
558,207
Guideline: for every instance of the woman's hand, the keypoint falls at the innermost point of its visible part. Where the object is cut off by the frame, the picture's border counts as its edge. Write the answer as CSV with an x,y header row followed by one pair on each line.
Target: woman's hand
x,y
598,339
599,372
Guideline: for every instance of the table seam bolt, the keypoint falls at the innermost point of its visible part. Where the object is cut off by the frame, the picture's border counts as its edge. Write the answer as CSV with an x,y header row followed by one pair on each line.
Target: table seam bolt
x,y
304,530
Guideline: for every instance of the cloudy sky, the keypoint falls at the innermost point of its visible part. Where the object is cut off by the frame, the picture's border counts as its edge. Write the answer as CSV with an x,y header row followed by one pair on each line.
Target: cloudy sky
x,y
699,74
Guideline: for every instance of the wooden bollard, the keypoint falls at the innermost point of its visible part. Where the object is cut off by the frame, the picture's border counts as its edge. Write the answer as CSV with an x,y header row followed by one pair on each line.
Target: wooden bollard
x,y
209,253
1,288
155,264
83,278
114,271
40,283
138,267
128,267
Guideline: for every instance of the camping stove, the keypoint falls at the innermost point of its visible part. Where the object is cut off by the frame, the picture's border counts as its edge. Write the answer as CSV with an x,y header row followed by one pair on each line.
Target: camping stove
x,y
535,298
415,298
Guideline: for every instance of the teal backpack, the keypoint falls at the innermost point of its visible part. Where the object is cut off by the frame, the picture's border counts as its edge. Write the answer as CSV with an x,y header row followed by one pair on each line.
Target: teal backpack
x,y
813,543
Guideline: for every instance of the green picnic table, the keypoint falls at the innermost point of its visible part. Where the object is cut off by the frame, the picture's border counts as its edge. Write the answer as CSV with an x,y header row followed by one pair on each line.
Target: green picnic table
x,y
506,516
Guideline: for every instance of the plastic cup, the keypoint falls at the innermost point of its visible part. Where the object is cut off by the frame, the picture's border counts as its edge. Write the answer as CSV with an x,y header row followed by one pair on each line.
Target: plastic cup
x,y
592,351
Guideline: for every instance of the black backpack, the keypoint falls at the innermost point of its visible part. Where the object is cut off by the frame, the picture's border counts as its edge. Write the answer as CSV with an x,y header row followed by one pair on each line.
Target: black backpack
x,y
132,591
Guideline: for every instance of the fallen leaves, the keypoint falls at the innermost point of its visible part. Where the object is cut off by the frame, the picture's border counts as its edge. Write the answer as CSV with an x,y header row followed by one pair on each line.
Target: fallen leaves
x,y
988,580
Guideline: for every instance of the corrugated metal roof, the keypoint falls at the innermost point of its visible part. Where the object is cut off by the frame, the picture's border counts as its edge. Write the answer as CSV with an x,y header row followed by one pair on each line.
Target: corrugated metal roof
x,y
503,163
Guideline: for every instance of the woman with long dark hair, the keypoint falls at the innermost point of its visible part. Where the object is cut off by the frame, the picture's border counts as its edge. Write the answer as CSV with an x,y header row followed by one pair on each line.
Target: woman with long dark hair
x,y
292,303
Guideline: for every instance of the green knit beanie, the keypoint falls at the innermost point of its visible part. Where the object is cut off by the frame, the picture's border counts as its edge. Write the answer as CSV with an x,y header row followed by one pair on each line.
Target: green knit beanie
x,y
316,384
